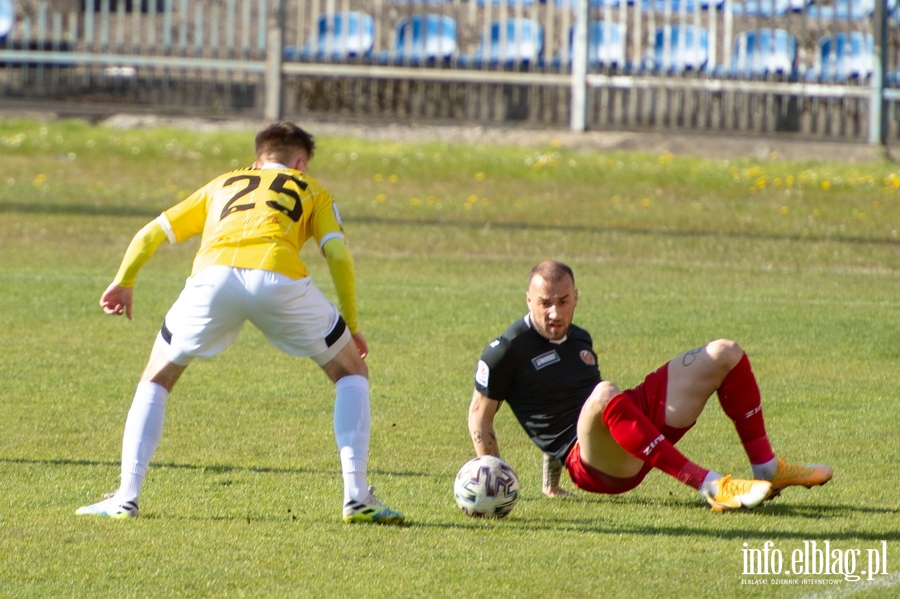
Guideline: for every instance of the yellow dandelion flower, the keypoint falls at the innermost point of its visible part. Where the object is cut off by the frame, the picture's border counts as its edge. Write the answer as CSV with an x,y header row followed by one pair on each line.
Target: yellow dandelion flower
x,y
785,209
393,178
378,177
645,201
415,201
826,185
40,179
479,176
380,197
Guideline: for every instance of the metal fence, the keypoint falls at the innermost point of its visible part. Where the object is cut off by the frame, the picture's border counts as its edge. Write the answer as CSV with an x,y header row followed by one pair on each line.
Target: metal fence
x,y
807,68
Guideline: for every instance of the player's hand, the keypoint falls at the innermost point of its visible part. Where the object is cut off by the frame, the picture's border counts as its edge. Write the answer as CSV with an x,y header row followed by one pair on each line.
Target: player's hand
x,y
557,492
117,300
361,344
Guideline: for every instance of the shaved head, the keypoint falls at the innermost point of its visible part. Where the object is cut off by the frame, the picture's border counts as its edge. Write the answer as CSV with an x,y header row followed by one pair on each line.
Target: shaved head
x,y
552,272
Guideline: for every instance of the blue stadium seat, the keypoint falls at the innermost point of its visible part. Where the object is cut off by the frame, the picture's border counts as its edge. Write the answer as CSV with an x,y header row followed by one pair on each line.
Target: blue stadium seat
x,y
7,18
768,8
524,43
509,2
850,10
678,48
422,38
673,6
762,52
341,35
845,55
606,45
594,3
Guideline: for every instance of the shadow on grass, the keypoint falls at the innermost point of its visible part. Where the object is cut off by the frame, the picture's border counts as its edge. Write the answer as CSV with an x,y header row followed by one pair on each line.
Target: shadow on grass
x,y
212,468
91,210
519,226
598,518
590,525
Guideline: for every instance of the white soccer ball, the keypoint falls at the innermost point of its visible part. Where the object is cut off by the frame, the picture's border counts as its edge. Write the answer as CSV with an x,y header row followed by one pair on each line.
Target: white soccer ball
x,y
486,487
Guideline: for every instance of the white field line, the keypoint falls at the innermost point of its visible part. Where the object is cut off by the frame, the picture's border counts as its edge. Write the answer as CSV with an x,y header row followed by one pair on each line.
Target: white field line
x,y
849,589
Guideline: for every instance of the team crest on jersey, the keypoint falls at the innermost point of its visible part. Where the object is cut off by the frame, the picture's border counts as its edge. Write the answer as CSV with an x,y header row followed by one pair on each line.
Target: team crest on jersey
x,y
551,357
482,373
587,357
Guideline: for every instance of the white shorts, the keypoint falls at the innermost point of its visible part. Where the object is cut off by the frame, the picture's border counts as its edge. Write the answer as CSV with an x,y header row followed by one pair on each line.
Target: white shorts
x,y
292,313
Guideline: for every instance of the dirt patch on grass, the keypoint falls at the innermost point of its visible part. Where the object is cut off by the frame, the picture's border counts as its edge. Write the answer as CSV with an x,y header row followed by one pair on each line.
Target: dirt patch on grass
x,y
708,145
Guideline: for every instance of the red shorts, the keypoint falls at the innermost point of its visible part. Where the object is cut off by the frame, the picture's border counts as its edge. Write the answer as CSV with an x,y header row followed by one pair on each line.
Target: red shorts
x,y
650,398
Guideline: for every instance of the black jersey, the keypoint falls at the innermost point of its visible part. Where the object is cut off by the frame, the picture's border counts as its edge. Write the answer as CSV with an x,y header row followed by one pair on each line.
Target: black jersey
x,y
545,383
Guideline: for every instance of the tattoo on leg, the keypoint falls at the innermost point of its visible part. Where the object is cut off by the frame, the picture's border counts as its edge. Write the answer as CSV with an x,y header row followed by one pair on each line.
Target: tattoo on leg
x,y
690,356
476,436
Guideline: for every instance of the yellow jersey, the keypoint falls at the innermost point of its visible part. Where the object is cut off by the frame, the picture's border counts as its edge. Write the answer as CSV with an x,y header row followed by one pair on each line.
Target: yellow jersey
x,y
256,218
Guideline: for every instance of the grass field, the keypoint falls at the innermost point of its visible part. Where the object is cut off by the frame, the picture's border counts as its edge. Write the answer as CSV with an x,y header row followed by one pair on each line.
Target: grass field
x,y
798,262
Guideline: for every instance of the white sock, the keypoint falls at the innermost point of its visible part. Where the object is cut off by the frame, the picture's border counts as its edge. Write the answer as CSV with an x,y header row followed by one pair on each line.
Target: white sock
x,y
143,430
352,423
764,471
709,487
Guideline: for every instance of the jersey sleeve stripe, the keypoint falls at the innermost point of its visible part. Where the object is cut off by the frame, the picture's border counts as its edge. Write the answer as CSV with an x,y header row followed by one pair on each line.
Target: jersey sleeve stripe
x,y
167,227
329,237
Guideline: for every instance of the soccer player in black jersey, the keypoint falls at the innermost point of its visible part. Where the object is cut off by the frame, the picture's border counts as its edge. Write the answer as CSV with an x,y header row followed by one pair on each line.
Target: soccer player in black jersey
x,y
545,368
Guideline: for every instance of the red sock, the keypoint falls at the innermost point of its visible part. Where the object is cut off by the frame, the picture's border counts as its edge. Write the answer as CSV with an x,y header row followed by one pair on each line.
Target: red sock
x,y
639,437
740,399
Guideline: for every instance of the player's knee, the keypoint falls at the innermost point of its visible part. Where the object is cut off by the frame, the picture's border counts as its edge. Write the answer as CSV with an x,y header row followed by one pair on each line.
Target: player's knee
x,y
601,395
725,352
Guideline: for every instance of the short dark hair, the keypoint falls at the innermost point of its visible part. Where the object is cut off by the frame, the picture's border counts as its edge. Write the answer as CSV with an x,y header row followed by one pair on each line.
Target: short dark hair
x,y
552,272
284,140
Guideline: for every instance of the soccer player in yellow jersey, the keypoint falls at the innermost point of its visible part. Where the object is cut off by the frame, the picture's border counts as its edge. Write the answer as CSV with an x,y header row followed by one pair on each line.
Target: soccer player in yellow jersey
x,y
252,223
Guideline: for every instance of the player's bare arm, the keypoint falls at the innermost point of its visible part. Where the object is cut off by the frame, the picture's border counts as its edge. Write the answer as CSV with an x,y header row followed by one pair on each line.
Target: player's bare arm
x,y
550,475
481,424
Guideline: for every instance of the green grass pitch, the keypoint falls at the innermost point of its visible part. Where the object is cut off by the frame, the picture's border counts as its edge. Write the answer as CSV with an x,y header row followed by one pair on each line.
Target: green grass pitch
x,y
797,261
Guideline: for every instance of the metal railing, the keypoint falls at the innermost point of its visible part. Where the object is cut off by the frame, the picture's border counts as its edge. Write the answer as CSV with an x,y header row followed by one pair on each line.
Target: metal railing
x,y
611,64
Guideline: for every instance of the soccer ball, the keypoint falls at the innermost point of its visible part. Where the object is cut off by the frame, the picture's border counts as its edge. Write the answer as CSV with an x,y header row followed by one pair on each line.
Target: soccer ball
x,y
486,487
